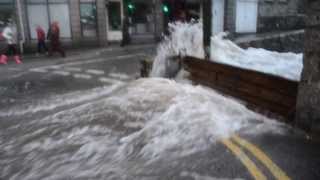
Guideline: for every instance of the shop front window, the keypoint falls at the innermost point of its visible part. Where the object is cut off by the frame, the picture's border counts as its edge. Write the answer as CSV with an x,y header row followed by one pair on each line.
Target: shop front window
x,y
43,12
59,12
37,16
88,19
142,18
6,12
114,15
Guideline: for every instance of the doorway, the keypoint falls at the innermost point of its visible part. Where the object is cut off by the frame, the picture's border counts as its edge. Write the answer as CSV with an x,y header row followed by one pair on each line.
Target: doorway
x,y
114,19
217,16
246,16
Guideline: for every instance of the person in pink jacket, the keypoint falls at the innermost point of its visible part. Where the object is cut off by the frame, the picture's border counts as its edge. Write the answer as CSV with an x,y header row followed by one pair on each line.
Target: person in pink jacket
x,y
41,36
10,34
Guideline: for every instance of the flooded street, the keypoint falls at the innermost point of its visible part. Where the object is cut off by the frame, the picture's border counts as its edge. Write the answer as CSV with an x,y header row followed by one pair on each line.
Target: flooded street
x,y
159,90
118,136
105,124
147,129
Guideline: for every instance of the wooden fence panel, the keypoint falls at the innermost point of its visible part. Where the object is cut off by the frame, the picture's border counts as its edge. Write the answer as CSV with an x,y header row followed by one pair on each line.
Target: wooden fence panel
x,y
269,92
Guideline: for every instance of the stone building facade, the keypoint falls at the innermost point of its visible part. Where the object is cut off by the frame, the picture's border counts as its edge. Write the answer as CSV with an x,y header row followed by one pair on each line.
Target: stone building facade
x,y
85,22
271,15
80,21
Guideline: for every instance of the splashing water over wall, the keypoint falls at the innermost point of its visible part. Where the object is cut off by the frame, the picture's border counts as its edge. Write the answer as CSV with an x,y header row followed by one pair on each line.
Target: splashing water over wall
x,y
186,40
286,65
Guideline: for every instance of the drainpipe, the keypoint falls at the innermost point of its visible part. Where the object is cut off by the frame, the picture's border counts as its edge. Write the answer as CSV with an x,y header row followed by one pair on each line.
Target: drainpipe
x,y
21,42
207,15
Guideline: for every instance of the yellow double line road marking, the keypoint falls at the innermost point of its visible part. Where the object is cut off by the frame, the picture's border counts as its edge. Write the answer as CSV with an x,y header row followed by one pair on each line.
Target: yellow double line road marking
x,y
257,153
262,157
252,168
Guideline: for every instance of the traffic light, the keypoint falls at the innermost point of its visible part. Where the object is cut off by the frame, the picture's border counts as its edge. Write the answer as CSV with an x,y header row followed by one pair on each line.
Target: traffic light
x,y
130,6
165,9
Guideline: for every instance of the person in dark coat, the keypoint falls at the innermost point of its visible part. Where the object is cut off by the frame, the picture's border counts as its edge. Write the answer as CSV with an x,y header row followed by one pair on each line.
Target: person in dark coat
x,y
125,32
54,37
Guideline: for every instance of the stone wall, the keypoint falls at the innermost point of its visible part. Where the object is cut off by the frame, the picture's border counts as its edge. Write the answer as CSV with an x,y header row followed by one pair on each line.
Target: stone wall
x,y
308,105
271,8
273,15
280,23
292,41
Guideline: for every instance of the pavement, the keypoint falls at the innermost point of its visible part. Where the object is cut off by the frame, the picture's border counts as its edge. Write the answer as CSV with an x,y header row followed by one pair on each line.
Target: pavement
x,y
43,89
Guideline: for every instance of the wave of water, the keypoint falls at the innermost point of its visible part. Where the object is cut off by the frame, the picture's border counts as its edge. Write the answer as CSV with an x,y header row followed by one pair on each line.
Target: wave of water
x,y
186,39
123,136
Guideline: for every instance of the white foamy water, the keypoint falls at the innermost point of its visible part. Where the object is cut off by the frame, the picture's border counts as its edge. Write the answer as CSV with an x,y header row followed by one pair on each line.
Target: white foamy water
x,y
54,102
186,39
124,135
286,65
120,76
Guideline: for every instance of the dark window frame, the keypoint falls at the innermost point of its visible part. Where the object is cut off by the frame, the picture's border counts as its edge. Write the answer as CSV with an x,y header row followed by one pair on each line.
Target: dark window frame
x,y
121,21
94,3
13,6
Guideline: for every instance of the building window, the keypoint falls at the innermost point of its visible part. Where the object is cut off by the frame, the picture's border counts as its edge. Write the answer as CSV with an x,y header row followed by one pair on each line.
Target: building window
x,y
37,1
44,12
88,18
142,18
6,12
60,12
114,15
37,15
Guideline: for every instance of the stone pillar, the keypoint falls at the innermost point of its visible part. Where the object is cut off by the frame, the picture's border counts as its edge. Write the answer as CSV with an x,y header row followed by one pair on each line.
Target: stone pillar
x,y
207,16
159,26
230,19
24,21
75,22
102,22
308,104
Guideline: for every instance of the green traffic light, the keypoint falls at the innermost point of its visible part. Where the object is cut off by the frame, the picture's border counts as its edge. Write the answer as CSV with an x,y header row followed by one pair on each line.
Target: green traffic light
x,y
165,9
130,6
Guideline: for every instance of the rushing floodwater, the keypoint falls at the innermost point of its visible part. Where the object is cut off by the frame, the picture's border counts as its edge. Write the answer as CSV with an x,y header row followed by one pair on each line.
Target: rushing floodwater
x,y
128,135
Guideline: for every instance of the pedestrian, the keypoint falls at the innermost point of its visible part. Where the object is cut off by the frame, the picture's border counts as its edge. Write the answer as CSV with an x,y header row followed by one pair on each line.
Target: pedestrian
x,y
125,32
10,34
41,36
54,37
